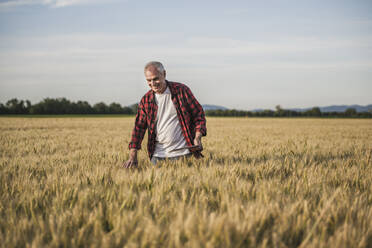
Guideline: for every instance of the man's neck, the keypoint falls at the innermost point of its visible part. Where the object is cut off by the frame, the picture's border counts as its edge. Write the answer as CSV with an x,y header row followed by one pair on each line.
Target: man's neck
x,y
164,89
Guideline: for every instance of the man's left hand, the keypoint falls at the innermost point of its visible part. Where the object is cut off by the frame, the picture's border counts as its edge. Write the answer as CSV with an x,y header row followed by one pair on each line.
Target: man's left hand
x,y
197,141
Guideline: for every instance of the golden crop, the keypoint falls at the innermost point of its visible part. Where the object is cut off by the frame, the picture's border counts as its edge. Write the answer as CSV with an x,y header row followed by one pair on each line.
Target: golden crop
x,y
262,183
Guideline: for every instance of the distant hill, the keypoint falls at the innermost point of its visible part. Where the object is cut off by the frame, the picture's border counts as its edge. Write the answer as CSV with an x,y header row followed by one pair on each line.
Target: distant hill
x,y
258,110
338,108
213,107
332,108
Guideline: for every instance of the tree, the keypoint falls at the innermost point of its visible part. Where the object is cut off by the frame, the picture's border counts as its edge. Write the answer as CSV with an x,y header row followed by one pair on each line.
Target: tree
x,y
315,111
269,112
101,108
3,109
15,106
115,108
128,111
350,112
134,108
28,106
279,110
83,107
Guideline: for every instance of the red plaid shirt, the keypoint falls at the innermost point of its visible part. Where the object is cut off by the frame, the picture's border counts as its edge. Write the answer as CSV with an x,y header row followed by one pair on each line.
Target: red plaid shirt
x,y
190,114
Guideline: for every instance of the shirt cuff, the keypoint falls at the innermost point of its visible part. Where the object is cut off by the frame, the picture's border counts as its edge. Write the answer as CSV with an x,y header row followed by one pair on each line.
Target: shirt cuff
x,y
133,145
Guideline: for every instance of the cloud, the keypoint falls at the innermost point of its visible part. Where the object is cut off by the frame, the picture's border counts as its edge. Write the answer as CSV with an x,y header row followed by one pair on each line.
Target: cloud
x,y
90,54
285,51
101,66
16,3
50,3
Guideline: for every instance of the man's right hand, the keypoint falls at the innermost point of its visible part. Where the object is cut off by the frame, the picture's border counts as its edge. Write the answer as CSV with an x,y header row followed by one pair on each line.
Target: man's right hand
x,y
132,161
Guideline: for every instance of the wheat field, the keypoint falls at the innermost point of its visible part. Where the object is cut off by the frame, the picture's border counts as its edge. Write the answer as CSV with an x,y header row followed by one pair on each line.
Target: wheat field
x,y
262,183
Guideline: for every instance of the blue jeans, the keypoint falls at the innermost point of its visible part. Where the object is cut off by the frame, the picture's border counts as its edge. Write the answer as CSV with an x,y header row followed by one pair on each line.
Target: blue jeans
x,y
154,160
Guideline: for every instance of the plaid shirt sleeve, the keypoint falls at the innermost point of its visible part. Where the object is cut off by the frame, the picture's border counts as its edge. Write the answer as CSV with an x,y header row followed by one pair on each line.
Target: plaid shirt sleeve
x,y
197,112
140,126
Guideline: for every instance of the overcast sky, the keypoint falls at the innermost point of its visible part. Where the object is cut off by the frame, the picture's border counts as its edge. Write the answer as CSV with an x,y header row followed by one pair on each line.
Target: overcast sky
x,y
238,54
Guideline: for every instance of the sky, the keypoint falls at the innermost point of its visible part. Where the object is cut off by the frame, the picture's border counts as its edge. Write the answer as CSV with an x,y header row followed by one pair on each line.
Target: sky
x,y
238,54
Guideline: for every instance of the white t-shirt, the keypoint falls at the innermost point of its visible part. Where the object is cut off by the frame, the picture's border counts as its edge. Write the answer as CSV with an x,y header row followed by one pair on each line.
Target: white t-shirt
x,y
168,128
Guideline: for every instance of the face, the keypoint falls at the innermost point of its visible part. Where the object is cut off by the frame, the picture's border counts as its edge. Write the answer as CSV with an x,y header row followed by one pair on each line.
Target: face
x,y
155,80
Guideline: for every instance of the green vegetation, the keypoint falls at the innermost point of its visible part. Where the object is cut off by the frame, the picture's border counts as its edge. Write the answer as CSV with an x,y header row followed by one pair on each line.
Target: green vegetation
x,y
62,106
263,182
280,112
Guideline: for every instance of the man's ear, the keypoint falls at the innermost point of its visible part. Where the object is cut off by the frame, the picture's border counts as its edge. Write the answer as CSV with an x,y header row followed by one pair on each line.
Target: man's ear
x,y
165,73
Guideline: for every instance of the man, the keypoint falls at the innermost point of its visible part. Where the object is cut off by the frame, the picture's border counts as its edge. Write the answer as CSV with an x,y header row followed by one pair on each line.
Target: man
x,y
173,117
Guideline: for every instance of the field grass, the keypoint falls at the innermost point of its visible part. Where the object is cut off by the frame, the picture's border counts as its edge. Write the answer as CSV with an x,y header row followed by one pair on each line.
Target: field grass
x,y
262,183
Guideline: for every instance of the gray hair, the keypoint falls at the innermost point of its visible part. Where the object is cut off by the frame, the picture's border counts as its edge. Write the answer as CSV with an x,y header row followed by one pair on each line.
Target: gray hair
x,y
159,66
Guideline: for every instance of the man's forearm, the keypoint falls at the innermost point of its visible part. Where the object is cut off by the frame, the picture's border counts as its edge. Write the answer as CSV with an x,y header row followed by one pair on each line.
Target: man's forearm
x,y
133,153
198,135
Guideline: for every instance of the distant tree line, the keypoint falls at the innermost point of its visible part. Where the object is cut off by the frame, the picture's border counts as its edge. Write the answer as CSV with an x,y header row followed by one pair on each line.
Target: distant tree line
x,y
60,106
280,112
57,106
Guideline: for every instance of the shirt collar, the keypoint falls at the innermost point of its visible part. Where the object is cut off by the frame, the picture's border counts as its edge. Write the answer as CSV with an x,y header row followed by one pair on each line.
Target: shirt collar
x,y
171,89
169,85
